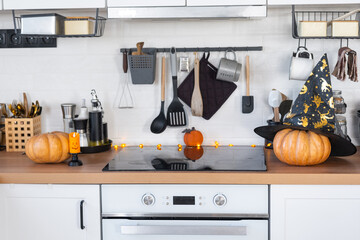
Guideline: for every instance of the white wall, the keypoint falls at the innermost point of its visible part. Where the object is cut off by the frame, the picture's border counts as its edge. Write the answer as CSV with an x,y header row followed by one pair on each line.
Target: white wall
x,y
68,73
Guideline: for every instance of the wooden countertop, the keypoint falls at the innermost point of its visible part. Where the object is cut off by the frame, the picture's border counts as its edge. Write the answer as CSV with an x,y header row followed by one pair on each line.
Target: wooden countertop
x,y
17,168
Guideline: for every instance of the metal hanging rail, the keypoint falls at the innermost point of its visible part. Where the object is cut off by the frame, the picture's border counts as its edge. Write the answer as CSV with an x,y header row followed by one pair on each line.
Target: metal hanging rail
x,y
203,49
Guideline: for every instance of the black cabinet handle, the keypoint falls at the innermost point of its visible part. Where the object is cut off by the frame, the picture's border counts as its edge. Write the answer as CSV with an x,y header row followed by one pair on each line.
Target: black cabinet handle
x,y
82,214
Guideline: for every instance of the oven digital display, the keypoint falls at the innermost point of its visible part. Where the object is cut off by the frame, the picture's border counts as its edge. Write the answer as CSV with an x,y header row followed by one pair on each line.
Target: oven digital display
x,y
183,200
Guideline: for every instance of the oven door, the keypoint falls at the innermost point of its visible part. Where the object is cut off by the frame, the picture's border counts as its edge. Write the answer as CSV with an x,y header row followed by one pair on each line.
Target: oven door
x,y
124,229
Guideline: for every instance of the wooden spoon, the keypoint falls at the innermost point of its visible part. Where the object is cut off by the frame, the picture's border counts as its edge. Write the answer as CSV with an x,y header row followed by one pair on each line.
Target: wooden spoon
x,y
196,99
139,47
26,106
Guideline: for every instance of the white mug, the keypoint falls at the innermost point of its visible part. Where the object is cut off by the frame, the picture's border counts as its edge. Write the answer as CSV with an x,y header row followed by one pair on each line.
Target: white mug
x,y
300,67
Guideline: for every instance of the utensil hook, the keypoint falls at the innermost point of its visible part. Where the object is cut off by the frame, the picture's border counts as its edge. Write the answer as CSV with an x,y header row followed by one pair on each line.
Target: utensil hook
x,y
299,44
341,42
230,51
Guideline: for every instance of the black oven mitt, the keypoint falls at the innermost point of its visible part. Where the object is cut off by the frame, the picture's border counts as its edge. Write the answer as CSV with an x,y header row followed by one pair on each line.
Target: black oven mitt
x,y
214,92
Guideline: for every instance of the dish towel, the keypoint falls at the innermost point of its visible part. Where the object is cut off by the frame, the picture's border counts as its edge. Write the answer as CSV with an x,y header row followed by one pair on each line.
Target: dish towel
x,y
339,70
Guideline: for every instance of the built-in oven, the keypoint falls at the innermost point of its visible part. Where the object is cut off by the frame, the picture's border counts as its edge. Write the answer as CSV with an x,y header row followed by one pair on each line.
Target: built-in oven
x,y
171,212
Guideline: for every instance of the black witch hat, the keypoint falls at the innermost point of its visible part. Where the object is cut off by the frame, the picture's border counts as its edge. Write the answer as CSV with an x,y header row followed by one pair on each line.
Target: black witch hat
x,y
313,110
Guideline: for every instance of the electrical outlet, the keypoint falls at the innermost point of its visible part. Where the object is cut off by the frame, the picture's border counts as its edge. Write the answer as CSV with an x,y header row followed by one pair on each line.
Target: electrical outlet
x,y
15,39
31,40
2,39
9,39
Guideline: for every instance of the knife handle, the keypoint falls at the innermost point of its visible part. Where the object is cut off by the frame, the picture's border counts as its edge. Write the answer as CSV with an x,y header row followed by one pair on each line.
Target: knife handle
x,y
125,62
173,62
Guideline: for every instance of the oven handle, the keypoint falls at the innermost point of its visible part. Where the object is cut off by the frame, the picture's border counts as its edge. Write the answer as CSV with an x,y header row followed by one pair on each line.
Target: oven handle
x,y
187,215
184,230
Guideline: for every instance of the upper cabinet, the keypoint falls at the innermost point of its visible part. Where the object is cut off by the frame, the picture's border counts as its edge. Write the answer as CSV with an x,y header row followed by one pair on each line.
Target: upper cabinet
x,y
312,2
1,5
225,2
53,4
172,3
171,9
145,3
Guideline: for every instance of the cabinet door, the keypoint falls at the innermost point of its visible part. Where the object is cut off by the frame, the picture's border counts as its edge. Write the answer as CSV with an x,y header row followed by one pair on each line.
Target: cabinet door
x,y
299,212
44,212
145,3
52,4
299,2
225,2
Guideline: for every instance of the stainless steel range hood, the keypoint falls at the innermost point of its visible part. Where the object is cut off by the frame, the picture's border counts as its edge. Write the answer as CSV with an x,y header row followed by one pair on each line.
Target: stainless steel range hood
x,y
188,12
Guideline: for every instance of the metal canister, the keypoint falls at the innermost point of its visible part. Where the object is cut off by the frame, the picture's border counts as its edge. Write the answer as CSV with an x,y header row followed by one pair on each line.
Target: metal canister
x,y
95,128
68,110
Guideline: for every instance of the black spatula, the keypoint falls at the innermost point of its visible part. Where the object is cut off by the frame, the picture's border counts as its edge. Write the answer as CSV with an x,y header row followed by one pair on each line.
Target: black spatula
x,y
284,108
175,113
247,101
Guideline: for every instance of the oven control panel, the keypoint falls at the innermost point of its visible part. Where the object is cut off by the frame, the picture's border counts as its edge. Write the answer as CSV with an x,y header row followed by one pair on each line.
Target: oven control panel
x,y
184,198
219,200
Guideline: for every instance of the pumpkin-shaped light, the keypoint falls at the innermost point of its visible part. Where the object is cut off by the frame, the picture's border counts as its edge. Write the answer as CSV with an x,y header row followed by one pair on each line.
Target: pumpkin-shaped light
x,y
48,147
300,147
193,137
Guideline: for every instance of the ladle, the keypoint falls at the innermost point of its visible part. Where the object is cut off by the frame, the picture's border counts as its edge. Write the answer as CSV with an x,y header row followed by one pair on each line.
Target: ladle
x,y
159,123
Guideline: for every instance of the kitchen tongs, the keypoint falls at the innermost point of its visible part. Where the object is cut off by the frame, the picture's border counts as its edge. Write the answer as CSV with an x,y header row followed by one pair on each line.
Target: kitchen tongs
x,y
175,113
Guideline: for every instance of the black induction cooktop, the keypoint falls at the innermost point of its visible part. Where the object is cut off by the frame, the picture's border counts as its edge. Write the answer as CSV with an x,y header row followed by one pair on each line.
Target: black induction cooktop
x,y
171,158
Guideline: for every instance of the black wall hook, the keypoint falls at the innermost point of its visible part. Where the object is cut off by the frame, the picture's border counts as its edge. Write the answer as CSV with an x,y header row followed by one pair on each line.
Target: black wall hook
x,y
341,42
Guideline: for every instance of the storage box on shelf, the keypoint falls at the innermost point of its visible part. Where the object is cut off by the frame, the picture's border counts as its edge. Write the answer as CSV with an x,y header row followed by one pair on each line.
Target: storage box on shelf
x,y
78,26
345,28
312,29
19,130
324,25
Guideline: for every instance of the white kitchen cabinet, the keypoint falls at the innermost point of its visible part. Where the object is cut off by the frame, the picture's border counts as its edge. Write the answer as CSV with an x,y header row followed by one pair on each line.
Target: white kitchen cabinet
x,y
225,2
145,3
330,212
53,4
312,2
43,212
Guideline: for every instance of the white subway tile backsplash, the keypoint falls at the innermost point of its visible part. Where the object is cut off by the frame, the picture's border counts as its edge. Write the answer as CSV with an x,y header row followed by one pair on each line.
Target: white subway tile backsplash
x,y
69,72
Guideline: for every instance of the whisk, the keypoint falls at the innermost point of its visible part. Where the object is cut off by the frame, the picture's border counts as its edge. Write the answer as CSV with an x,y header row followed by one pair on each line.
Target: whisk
x,y
126,100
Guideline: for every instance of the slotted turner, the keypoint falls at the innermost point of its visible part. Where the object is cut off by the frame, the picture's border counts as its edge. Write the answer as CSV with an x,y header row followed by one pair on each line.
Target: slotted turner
x,y
175,113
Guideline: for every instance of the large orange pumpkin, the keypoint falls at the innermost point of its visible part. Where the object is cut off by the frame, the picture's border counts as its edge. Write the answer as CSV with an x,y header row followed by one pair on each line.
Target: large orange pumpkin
x,y
48,147
193,137
300,147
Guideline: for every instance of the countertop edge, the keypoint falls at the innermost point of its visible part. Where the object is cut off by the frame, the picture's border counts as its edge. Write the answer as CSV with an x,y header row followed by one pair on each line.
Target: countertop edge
x,y
182,178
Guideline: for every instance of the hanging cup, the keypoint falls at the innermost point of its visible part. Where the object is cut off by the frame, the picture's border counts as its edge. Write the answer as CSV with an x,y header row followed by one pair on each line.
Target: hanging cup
x,y
229,70
301,65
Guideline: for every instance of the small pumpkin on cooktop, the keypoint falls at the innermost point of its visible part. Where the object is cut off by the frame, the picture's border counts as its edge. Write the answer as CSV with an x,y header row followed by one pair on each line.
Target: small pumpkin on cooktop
x,y
48,147
301,147
193,137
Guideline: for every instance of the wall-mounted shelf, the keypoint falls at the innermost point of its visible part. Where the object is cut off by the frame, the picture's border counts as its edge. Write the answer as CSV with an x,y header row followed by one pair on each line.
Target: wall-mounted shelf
x,y
298,16
99,27
204,49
